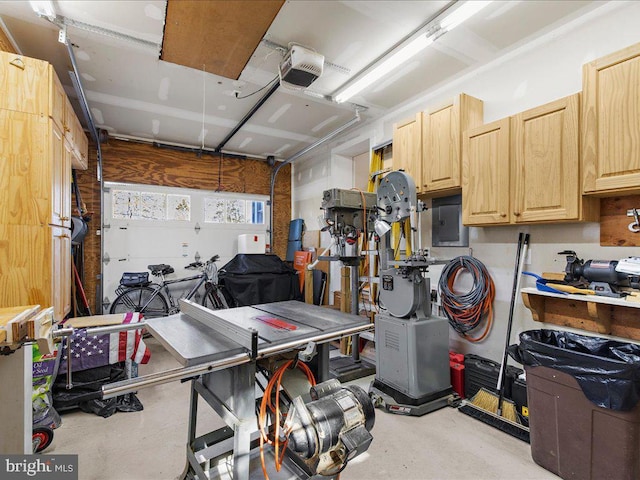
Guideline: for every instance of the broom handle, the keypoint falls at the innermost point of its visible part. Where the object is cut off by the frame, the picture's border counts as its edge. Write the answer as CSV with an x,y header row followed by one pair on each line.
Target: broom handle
x,y
523,243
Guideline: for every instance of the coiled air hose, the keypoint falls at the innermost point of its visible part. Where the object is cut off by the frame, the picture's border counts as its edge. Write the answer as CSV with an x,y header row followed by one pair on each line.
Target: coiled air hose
x,y
466,311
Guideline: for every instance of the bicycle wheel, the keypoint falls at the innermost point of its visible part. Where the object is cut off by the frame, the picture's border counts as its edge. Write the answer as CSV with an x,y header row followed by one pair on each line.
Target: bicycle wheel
x,y
213,298
135,298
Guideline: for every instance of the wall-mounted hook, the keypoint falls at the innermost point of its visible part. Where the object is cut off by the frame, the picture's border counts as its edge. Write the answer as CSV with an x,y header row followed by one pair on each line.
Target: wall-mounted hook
x,y
635,225
197,228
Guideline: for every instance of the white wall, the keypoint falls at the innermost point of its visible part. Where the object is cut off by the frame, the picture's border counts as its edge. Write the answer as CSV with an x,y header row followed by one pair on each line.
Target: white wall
x,y
543,70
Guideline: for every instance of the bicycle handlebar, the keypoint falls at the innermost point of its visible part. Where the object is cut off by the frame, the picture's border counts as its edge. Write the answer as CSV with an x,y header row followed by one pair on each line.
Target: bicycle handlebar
x,y
213,259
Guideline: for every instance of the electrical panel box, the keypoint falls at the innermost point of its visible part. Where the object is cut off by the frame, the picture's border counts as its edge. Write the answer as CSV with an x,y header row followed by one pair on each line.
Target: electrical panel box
x,y
447,229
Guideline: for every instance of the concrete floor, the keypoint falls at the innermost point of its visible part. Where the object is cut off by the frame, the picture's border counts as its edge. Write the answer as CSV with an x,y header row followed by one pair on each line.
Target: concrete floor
x,y
151,444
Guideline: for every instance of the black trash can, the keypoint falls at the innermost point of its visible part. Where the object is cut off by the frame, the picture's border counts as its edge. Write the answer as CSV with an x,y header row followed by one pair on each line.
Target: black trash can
x,y
582,394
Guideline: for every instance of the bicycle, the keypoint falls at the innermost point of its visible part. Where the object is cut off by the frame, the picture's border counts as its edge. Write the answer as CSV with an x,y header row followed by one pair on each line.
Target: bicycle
x,y
141,295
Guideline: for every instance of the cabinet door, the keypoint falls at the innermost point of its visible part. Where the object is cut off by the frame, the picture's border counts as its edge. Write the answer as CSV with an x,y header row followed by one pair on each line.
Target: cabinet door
x,y
57,98
25,256
546,162
80,147
25,170
485,174
407,147
442,129
60,271
25,83
611,123
69,121
60,179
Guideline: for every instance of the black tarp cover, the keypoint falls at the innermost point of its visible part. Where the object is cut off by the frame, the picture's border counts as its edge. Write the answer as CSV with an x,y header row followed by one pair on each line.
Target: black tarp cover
x,y
608,371
251,279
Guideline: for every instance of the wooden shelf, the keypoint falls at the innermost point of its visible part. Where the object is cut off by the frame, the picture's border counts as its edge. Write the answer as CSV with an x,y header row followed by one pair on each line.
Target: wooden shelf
x,y
603,315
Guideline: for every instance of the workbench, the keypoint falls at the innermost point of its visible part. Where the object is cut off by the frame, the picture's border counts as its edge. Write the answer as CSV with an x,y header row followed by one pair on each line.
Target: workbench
x,y
19,326
218,351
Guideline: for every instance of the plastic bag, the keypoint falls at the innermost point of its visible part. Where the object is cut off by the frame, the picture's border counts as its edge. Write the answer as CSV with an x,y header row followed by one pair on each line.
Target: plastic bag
x,y
86,392
45,369
608,371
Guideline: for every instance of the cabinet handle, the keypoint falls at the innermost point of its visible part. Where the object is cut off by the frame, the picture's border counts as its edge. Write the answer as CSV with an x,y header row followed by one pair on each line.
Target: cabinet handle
x,y
64,235
64,219
17,62
517,214
502,214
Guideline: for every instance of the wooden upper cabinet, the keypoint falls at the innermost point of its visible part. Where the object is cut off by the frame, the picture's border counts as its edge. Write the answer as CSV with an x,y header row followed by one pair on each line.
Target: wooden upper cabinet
x,y
407,147
80,146
28,81
442,129
485,174
57,99
25,169
545,174
36,89
611,123
60,179
76,138
35,180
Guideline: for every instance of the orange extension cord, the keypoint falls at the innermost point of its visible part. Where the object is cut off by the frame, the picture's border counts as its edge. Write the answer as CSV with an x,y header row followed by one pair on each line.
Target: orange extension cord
x,y
276,381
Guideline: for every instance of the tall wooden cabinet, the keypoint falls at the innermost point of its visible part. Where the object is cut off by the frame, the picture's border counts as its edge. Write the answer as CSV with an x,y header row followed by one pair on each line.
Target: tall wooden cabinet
x,y
442,128
611,123
35,185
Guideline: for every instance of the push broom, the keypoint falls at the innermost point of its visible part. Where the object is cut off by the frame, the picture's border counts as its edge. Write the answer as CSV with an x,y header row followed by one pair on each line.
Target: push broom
x,y
491,407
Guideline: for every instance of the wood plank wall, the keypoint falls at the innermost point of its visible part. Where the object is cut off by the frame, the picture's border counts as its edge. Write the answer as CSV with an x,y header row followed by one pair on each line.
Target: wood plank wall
x,y
614,222
145,164
5,44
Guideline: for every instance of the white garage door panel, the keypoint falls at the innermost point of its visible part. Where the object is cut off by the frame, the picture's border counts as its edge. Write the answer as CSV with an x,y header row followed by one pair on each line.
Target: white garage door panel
x,y
132,244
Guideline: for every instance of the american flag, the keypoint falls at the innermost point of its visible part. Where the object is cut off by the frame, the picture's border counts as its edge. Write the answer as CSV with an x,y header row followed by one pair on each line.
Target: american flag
x,y
90,351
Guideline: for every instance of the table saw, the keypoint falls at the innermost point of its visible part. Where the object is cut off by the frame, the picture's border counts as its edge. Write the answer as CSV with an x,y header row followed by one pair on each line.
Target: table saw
x,y
219,351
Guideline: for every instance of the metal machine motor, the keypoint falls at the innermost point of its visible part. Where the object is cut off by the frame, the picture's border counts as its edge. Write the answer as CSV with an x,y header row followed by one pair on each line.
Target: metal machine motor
x,y
346,213
603,276
333,428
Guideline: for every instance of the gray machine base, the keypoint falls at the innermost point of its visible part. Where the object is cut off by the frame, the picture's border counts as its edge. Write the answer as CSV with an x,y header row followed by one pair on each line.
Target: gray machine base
x,y
388,403
412,355
346,369
220,444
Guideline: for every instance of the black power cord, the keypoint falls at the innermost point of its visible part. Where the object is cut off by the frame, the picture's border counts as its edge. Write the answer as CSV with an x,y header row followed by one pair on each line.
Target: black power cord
x,y
465,312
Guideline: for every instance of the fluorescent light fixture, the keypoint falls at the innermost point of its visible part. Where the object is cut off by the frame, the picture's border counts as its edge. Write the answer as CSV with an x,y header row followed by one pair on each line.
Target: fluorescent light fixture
x,y
44,8
448,23
459,15
396,59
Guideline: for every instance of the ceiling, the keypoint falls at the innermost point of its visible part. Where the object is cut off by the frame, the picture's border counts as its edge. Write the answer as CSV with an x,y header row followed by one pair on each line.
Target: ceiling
x,y
131,93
